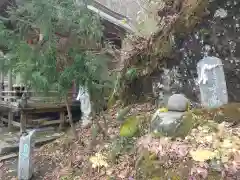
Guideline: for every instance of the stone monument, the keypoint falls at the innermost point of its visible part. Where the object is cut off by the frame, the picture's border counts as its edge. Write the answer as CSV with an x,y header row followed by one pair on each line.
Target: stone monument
x,y
25,161
84,98
212,83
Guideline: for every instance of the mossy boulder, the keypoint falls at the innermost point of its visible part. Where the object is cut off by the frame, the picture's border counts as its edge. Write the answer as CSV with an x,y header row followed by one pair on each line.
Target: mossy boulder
x,y
166,123
189,122
174,124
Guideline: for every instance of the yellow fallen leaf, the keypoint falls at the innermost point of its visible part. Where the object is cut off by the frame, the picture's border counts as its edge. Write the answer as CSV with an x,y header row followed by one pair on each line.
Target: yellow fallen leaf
x,y
224,159
227,144
124,21
98,160
163,110
209,138
202,155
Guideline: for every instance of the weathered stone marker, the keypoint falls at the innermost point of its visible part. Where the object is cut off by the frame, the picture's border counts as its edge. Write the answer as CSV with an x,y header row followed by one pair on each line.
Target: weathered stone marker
x,y
25,161
84,97
212,83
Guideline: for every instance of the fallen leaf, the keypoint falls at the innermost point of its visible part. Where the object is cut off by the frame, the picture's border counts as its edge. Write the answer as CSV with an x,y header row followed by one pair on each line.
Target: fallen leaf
x,y
109,172
123,174
163,110
202,172
124,21
224,159
202,155
209,138
227,144
98,161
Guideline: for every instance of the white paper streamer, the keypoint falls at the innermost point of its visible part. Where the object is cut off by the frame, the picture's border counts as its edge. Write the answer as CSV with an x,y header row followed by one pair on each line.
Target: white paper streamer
x,y
84,98
203,76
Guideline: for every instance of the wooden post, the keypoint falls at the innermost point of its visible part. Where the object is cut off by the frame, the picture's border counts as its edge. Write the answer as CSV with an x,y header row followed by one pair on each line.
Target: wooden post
x,y
10,119
62,120
10,83
10,114
2,85
23,121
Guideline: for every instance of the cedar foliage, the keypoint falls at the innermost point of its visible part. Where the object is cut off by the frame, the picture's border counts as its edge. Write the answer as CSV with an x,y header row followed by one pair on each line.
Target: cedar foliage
x,y
52,43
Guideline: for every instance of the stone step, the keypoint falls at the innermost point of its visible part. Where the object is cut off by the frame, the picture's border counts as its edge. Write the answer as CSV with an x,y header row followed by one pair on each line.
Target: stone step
x,y
7,148
9,156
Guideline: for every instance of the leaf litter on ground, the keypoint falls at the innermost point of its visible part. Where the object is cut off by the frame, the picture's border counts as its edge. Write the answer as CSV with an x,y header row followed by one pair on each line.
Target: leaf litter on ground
x,y
210,146
219,146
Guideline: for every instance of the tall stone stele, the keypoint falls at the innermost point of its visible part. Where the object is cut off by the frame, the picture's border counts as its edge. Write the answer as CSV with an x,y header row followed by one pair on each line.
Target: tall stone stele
x,y
25,160
212,83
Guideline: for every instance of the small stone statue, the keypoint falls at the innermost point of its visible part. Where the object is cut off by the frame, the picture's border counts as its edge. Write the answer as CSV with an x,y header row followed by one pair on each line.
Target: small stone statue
x,y
86,109
23,101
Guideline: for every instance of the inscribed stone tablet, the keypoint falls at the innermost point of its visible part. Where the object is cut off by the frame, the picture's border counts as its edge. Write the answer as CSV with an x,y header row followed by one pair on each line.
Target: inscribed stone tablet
x,y
25,161
212,82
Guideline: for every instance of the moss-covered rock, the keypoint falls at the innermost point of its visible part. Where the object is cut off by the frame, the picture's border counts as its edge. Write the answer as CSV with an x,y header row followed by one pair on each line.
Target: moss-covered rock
x,y
166,123
189,121
184,124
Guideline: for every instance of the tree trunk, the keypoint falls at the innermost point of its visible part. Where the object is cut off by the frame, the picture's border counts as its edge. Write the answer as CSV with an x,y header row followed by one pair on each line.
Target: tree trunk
x,y
103,130
70,118
105,123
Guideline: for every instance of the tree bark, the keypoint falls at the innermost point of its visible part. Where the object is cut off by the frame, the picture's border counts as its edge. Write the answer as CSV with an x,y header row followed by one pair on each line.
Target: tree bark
x,y
105,123
70,118
103,130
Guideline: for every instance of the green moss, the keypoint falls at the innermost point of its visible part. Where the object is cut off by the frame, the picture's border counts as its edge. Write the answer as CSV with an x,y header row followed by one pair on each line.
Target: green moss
x,y
189,122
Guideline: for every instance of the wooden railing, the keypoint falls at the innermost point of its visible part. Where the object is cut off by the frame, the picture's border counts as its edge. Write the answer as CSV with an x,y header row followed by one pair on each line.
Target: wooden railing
x,y
14,97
